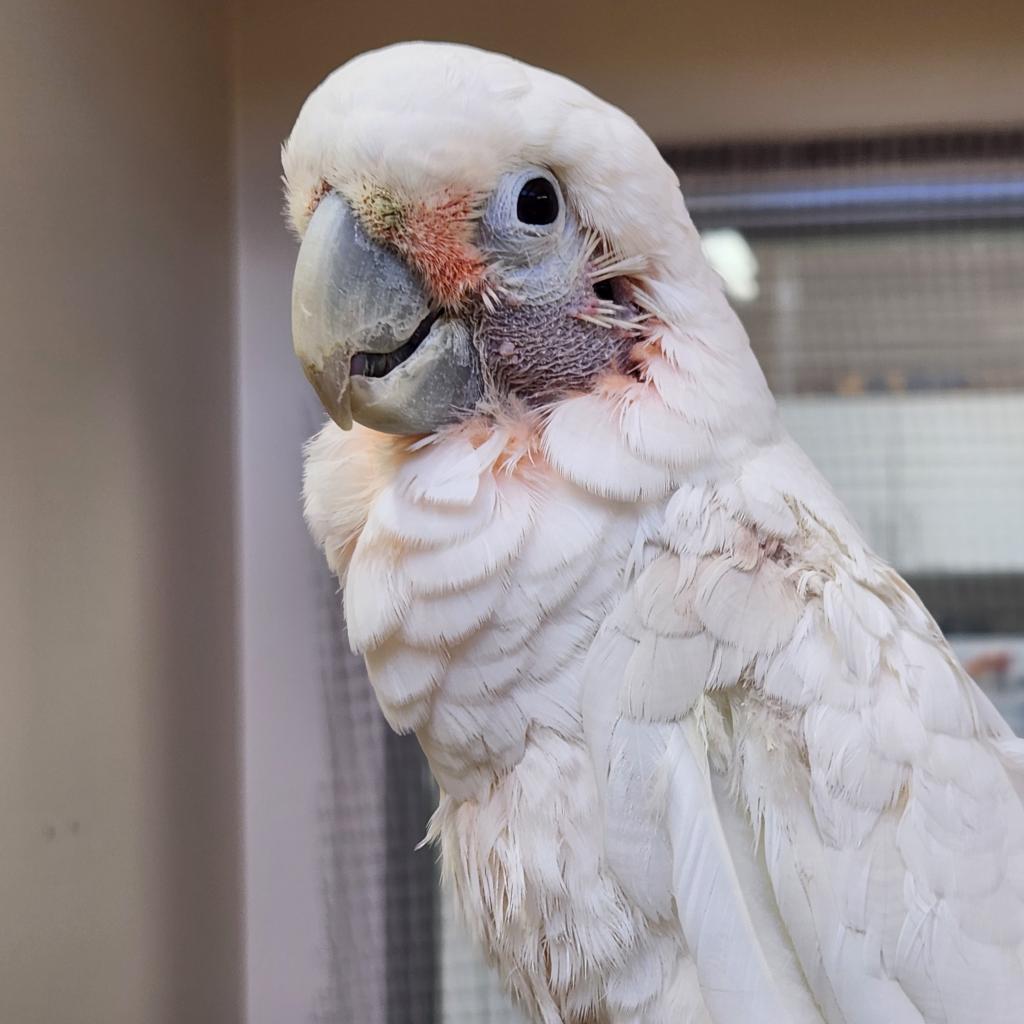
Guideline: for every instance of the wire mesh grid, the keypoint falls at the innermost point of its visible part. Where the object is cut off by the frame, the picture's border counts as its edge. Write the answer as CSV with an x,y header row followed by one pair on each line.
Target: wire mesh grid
x,y
882,285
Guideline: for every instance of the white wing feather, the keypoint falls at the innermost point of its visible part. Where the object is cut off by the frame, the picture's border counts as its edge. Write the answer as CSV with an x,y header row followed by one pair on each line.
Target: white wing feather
x,y
779,684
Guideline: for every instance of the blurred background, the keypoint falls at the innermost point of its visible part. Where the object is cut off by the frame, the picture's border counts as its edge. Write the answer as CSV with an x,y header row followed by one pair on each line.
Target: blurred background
x,y
202,815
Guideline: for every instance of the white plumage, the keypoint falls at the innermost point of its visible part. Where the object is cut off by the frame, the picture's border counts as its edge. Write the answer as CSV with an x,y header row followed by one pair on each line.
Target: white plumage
x,y
702,755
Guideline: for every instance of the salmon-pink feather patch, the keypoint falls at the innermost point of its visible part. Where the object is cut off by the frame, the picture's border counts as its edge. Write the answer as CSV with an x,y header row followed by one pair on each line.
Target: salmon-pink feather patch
x,y
432,234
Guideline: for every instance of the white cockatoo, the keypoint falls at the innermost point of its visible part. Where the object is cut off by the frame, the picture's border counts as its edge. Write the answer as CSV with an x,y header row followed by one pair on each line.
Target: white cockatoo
x,y
702,755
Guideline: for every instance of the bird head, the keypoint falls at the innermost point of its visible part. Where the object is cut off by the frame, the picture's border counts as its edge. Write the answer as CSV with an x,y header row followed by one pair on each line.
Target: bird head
x,y
476,233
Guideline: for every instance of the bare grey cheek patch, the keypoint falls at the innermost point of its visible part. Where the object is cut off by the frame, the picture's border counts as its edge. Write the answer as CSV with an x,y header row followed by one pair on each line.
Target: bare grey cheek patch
x,y
539,352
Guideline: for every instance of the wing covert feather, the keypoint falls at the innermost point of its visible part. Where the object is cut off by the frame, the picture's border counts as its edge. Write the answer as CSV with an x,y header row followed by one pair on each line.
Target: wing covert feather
x,y
790,670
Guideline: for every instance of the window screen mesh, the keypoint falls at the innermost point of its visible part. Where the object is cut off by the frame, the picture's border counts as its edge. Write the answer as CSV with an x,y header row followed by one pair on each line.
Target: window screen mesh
x,y
882,284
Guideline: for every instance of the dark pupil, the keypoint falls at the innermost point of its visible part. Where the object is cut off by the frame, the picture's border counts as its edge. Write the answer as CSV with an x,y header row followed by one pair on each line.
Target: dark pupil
x,y
538,203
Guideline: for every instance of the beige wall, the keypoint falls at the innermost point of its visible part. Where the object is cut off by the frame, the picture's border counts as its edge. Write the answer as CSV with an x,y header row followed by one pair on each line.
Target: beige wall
x,y
707,70
687,69
119,895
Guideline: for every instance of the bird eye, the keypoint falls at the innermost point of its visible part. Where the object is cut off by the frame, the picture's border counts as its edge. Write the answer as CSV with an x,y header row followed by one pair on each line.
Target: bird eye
x,y
538,202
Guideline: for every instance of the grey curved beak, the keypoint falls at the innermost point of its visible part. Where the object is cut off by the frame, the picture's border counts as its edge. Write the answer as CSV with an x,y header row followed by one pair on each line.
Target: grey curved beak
x,y
352,296
349,295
